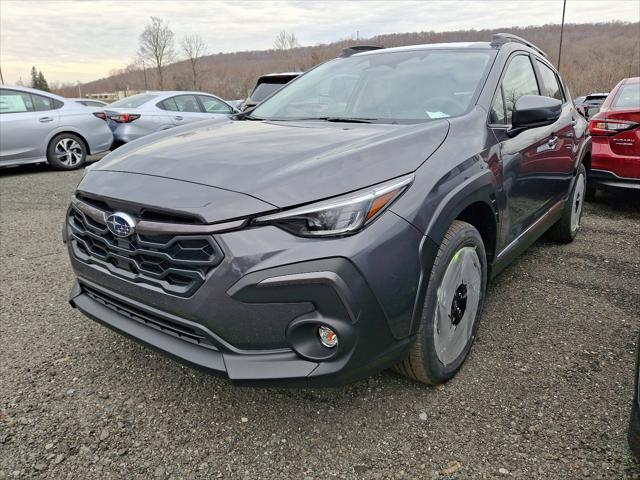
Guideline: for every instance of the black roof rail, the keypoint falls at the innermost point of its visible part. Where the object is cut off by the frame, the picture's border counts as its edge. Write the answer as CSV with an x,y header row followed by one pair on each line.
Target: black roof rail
x,y
347,52
500,39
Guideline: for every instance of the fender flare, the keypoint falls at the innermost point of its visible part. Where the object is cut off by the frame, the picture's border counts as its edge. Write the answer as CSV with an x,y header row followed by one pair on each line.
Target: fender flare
x,y
479,188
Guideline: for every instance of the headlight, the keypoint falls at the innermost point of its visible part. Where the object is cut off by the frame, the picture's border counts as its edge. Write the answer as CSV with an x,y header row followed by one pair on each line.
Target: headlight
x,y
341,215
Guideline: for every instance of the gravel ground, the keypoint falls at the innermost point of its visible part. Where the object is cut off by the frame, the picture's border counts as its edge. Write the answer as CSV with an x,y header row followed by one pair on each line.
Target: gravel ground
x,y
545,394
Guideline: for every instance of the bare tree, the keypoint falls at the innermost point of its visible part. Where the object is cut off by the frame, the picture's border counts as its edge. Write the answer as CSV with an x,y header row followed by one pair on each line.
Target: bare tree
x,y
285,41
156,46
194,48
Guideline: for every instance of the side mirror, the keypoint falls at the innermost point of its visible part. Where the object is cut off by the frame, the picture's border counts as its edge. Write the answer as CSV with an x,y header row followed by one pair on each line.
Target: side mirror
x,y
581,110
532,111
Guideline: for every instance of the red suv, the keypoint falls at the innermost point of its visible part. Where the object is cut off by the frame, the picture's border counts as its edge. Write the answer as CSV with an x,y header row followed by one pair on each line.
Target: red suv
x,y
615,133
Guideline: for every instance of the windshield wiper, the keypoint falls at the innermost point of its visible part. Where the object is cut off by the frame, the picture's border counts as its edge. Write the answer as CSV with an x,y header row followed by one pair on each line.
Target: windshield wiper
x,y
343,119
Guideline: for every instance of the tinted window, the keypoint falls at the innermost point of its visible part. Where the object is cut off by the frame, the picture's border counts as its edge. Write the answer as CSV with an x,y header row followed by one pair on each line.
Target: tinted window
x,y
42,104
213,105
133,101
550,85
403,86
519,80
187,103
12,101
628,96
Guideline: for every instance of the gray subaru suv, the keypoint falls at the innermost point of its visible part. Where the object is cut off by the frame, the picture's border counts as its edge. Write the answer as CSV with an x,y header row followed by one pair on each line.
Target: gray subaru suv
x,y
348,223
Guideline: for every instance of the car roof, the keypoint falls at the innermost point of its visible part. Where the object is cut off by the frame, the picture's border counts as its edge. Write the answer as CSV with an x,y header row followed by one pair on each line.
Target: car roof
x,y
284,74
35,91
173,92
631,80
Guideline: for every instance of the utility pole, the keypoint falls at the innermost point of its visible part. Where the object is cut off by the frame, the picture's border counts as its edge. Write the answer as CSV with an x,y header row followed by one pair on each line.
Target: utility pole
x,y
144,71
564,6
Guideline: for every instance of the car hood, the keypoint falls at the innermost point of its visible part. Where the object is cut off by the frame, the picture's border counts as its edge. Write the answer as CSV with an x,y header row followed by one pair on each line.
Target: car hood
x,y
282,163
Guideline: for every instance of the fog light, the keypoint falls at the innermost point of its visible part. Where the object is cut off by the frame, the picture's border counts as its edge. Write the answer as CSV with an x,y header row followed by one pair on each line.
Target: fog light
x,y
328,337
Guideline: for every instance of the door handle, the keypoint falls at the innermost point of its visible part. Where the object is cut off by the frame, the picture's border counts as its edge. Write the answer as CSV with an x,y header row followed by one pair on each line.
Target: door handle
x,y
45,119
574,122
177,117
552,142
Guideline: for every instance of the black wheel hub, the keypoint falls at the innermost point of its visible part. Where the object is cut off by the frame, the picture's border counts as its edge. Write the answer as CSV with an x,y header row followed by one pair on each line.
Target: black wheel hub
x,y
459,304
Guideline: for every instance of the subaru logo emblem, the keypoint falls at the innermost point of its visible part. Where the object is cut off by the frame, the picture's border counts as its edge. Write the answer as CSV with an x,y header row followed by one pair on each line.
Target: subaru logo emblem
x,y
121,224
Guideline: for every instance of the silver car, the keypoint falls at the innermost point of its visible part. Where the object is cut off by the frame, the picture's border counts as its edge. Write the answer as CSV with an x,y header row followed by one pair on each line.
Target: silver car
x,y
37,127
139,115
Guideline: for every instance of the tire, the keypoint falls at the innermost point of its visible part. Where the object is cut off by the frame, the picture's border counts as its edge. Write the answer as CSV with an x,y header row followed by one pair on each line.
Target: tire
x,y
634,431
438,353
66,151
566,228
590,194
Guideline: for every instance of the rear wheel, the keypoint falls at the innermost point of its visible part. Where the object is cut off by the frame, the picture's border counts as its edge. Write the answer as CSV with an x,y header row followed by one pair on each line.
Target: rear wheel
x,y
566,229
452,307
66,151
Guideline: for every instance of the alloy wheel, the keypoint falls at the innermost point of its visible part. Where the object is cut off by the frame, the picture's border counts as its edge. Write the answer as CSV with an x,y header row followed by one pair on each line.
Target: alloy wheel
x,y
69,152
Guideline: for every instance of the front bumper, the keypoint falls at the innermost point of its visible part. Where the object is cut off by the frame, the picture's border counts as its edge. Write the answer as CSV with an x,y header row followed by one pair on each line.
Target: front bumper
x,y
255,318
608,180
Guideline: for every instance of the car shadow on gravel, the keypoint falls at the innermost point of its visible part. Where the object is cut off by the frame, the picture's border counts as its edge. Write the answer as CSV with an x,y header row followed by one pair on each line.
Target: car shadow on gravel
x,y
39,168
625,202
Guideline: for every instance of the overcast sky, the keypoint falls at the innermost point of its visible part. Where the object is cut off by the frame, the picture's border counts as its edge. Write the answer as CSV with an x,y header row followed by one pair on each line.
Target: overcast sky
x,y
83,40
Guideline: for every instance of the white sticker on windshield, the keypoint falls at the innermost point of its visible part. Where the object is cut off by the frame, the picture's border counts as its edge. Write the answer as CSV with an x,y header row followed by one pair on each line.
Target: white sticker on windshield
x,y
437,114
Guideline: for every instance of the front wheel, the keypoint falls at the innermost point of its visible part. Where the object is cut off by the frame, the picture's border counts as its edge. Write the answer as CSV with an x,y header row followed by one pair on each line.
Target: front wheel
x,y
452,307
66,152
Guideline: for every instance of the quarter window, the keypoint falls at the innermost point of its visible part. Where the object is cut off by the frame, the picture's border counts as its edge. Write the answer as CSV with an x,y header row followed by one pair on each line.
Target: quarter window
x,y
12,101
519,80
550,86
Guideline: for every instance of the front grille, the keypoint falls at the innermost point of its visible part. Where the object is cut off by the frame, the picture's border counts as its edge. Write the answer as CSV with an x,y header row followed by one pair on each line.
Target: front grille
x,y
177,264
180,330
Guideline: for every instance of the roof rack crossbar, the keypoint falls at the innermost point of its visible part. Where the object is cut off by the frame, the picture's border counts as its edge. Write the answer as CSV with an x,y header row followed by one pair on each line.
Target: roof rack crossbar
x,y
347,52
500,39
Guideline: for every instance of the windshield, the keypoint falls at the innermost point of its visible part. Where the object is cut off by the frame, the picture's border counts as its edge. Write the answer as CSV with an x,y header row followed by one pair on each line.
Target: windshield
x,y
133,101
413,86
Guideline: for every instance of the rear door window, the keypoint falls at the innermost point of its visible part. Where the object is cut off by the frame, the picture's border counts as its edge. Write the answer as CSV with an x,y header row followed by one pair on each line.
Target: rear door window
x,y
519,80
550,86
187,103
43,104
12,101
169,104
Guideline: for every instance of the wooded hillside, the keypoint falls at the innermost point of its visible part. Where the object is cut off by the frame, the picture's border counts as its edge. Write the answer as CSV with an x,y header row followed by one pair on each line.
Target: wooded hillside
x,y
594,58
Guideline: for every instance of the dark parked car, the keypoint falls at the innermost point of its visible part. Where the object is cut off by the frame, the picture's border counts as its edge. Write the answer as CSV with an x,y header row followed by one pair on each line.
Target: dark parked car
x,y
590,104
336,229
267,85
615,133
634,421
